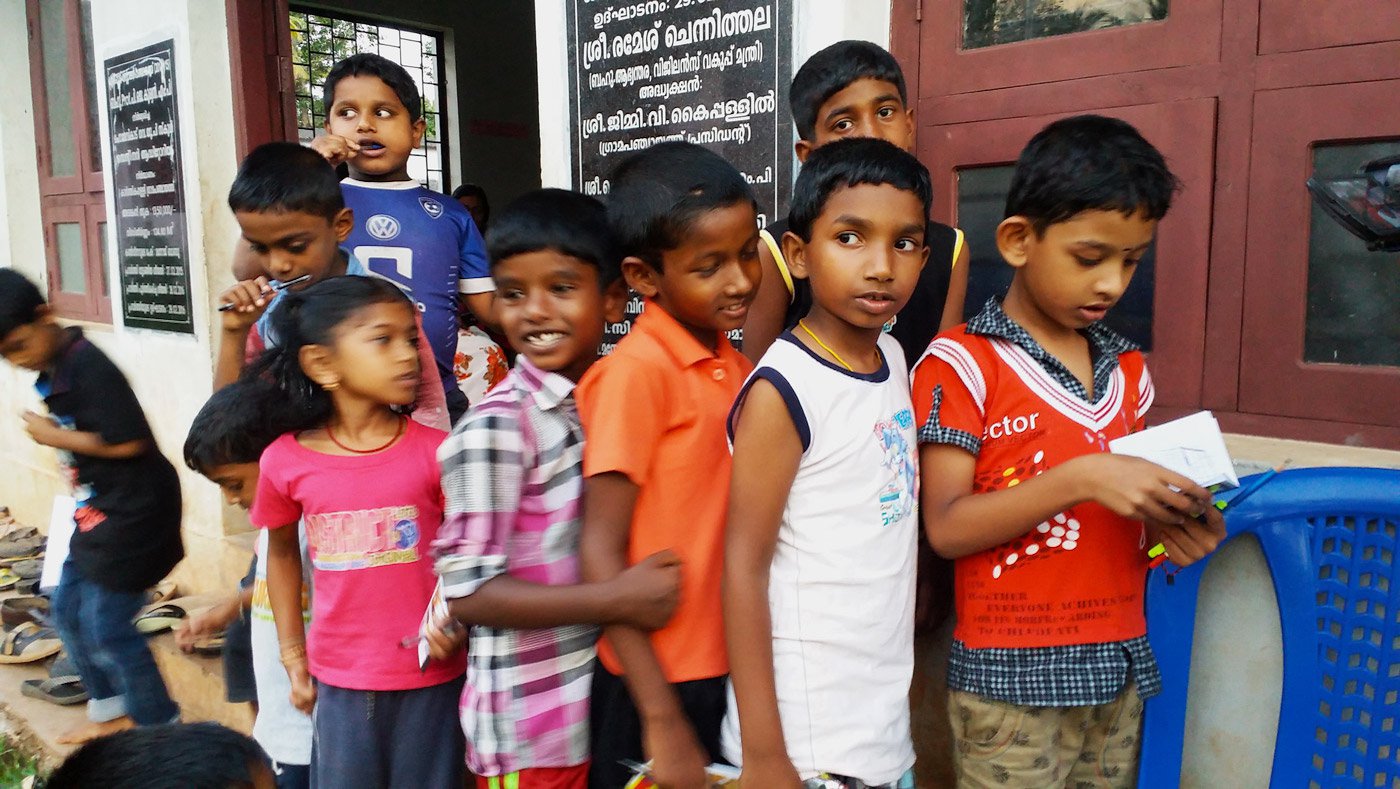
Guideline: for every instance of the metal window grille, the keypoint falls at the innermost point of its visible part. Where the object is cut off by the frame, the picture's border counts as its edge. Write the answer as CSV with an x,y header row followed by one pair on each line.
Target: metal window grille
x,y
319,40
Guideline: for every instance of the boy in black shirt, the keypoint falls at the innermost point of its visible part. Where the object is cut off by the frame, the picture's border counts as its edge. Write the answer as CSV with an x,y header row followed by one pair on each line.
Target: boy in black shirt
x,y
128,517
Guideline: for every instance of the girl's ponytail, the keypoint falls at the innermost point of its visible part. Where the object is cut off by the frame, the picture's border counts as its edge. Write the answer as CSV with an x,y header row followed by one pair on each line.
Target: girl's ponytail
x,y
310,317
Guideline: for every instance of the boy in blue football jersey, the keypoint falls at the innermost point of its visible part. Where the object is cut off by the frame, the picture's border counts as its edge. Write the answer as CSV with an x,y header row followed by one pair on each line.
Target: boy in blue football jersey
x,y
406,233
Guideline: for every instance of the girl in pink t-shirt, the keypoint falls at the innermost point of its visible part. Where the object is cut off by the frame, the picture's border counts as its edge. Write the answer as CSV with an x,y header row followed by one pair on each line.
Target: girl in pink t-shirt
x,y
364,480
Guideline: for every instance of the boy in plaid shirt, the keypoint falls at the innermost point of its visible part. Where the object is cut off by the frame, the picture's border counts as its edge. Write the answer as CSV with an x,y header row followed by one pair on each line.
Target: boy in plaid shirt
x,y
512,474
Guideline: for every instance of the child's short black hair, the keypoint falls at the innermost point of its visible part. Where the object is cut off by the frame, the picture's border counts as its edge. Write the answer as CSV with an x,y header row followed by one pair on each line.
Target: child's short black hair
x,y
829,71
474,190
168,756
283,176
853,162
1089,163
371,65
658,193
557,219
20,301
235,425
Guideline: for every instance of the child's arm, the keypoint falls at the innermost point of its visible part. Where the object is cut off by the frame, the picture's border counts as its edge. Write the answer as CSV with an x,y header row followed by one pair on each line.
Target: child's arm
x,y
483,465
45,431
960,523
284,594
212,620
770,303
678,761
250,299
767,450
957,290
430,407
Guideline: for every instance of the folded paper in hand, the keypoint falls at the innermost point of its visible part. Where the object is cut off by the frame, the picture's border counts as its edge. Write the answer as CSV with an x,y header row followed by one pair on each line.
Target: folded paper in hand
x,y
1191,446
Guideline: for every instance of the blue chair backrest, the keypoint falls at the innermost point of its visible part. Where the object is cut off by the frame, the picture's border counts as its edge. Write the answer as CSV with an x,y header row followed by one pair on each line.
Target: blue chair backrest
x,y
1329,536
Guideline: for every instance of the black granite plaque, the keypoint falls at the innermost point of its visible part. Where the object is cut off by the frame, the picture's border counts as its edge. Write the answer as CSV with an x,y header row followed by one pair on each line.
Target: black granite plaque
x,y
149,196
712,72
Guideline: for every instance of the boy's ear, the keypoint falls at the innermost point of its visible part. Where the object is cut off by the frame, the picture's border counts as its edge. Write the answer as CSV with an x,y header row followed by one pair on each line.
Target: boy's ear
x,y
640,276
795,255
803,149
420,128
343,222
614,301
1015,235
315,361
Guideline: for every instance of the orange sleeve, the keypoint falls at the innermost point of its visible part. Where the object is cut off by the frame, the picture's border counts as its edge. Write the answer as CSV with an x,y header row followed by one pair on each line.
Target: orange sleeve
x,y
623,410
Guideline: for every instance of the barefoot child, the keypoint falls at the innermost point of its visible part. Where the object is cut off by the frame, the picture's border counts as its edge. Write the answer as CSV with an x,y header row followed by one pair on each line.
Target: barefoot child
x,y
364,481
226,439
128,517
512,472
1017,407
823,518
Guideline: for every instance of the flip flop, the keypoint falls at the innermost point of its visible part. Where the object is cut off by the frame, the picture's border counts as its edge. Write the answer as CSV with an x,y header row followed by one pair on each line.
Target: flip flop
x,y
18,610
25,548
27,568
18,532
8,579
29,642
28,586
161,592
209,647
159,619
62,690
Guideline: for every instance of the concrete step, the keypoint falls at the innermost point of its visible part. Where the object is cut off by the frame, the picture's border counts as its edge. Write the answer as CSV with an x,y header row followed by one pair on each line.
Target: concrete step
x,y
195,682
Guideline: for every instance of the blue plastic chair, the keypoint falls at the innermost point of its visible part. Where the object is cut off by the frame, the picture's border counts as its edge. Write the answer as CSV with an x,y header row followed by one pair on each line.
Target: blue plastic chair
x,y
1329,536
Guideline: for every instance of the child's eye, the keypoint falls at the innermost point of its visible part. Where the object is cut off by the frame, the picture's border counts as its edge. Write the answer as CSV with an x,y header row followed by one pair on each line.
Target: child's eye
x,y
296,249
708,271
1132,262
346,112
510,295
847,237
886,112
413,338
906,245
563,287
1087,261
845,124
258,249
384,113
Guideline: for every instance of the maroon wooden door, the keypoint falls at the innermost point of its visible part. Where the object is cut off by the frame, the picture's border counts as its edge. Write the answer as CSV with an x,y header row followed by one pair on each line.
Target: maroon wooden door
x,y
1247,99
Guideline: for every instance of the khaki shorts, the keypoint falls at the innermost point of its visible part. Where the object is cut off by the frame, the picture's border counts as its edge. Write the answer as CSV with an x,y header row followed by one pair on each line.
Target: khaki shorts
x,y
1005,745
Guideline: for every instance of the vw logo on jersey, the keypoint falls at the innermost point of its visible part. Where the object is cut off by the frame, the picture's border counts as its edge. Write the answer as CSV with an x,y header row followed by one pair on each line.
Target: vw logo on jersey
x,y
431,207
382,226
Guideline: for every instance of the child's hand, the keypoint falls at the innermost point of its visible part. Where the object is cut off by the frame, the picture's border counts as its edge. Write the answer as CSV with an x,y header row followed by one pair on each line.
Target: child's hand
x,y
677,761
444,638
249,299
335,148
1190,541
775,771
41,428
647,592
303,695
1139,489
203,624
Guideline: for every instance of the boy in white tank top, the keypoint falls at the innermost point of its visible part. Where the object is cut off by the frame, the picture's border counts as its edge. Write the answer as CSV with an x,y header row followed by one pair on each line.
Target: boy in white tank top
x,y
823,511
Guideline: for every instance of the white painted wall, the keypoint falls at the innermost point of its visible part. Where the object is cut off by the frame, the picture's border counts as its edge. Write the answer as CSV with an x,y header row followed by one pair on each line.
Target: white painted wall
x,y
816,24
171,373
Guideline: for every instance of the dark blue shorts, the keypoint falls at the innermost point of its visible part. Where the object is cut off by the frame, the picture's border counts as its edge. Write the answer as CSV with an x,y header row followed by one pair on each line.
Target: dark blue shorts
x,y
388,739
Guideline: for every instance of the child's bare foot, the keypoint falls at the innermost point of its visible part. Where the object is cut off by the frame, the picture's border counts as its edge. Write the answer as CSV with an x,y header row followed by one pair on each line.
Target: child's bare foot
x,y
91,731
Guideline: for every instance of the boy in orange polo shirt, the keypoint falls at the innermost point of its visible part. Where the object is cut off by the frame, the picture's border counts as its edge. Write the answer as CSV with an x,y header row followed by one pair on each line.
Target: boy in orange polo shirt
x,y
656,463
1049,531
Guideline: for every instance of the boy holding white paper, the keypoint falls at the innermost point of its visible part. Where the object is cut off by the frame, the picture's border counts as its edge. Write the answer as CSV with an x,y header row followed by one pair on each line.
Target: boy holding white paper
x,y
1049,531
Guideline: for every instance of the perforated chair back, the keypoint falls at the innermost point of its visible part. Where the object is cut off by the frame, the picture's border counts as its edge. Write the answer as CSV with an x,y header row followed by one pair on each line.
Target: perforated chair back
x,y
1329,536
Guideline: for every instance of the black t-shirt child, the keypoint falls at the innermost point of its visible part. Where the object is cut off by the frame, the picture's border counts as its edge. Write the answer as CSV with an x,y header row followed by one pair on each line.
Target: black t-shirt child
x,y
917,323
128,518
